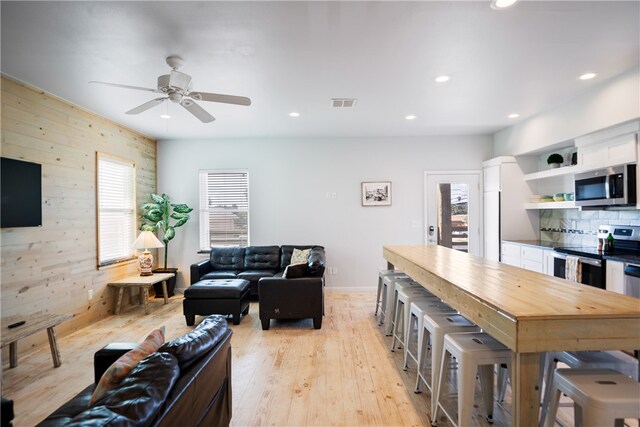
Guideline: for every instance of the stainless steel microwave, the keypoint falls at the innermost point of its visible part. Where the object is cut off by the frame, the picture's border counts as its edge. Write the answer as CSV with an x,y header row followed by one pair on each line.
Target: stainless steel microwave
x,y
614,186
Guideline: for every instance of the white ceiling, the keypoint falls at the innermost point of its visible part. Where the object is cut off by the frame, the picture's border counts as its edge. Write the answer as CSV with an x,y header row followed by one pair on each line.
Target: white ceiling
x,y
296,56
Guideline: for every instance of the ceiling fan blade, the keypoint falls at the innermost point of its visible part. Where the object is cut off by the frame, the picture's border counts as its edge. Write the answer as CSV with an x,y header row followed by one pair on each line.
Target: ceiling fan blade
x,y
127,86
144,107
197,111
216,97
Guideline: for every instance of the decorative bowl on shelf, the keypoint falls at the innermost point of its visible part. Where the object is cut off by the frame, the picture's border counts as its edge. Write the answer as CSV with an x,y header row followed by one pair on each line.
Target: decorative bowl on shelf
x,y
546,199
568,196
558,197
534,198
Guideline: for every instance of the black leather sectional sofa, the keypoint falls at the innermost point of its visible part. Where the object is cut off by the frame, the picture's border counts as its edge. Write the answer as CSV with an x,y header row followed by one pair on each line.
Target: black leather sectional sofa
x,y
253,263
298,297
187,382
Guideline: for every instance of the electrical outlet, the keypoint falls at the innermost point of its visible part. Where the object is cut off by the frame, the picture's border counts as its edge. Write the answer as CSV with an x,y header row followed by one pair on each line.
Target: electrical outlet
x,y
90,294
335,270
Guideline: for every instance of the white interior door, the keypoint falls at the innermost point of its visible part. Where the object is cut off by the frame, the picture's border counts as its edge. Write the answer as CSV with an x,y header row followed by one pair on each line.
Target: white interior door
x,y
453,210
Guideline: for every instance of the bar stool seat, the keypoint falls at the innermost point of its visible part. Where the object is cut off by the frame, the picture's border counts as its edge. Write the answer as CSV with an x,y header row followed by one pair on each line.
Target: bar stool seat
x,y
435,327
381,296
615,360
404,298
474,351
416,320
600,396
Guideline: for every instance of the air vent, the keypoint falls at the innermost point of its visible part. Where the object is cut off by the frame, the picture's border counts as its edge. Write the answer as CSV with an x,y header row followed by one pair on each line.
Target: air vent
x,y
343,102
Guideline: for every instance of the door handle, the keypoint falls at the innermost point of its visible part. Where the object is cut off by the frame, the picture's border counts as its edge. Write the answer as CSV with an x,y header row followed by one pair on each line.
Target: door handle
x,y
431,230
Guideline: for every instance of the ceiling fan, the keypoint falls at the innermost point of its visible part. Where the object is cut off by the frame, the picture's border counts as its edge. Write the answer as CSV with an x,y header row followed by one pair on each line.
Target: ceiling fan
x,y
177,88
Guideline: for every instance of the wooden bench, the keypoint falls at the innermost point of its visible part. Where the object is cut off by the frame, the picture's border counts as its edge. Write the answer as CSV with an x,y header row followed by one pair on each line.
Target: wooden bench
x,y
33,323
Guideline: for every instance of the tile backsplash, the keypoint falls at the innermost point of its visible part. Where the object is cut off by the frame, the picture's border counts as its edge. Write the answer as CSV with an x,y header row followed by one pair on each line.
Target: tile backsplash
x,y
579,228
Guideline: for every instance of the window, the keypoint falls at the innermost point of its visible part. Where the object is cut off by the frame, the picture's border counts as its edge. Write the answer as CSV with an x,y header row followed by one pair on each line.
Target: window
x,y
116,209
224,208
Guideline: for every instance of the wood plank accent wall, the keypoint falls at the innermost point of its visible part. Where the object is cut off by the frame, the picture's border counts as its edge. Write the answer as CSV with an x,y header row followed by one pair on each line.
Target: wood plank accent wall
x,y
51,268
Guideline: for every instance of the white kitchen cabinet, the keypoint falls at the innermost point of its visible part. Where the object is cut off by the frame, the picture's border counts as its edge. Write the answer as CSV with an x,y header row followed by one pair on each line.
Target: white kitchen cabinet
x,y
548,261
529,257
615,276
617,151
504,216
532,258
511,254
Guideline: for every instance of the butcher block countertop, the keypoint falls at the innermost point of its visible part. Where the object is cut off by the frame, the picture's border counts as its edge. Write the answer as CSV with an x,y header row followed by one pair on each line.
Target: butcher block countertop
x,y
521,307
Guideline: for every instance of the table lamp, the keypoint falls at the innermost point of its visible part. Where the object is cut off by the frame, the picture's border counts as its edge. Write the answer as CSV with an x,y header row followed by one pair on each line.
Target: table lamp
x,y
146,240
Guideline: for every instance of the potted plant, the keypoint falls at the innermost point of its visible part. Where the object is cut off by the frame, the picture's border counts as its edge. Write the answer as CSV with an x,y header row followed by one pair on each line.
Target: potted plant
x,y
555,160
157,216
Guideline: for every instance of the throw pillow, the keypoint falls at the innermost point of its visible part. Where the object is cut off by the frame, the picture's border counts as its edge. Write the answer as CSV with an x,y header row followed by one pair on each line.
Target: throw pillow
x,y
121,367
300,256
294,271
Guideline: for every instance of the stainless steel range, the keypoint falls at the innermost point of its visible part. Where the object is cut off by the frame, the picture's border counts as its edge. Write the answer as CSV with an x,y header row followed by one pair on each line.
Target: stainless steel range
x,y
626,249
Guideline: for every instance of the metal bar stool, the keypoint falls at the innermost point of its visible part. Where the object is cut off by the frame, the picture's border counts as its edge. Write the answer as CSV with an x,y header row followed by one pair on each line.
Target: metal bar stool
x,y
388,292
401,318
414,330
380,297
392,299
602,397
475,352
615,360
435,327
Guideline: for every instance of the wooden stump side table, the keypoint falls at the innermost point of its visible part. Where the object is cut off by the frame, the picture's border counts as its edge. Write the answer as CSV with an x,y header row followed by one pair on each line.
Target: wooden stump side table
x,y
33,323
143,283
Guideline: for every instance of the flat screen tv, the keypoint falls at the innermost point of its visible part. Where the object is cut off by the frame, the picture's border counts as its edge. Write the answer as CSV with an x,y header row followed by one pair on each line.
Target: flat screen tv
x,y
20,193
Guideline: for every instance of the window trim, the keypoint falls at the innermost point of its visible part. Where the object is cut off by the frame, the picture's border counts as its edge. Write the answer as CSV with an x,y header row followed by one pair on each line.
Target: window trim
x,y
123,261
223,171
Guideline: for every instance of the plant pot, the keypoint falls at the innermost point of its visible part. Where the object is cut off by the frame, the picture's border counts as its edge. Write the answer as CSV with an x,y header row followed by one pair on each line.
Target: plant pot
x,y
171,283
554,165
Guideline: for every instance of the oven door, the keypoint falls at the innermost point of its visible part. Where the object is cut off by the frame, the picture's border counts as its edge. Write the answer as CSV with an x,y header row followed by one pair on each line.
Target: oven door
x,y
593,270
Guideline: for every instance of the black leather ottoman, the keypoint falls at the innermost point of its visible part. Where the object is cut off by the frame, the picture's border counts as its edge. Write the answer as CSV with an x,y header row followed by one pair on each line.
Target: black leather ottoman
x,y
216,296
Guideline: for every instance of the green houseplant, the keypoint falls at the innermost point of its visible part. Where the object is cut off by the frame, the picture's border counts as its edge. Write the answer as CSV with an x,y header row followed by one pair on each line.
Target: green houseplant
x,y
157,216
555,160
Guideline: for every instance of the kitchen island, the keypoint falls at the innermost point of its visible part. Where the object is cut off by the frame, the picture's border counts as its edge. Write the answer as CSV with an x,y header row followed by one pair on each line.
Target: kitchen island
x,y
528,312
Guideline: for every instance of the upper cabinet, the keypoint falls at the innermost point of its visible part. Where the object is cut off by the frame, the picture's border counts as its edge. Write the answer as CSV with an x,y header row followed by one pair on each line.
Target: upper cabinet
x,y
613,152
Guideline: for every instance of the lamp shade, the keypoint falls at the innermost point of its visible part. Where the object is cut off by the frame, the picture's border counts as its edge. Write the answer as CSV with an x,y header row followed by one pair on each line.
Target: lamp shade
x,y
147,240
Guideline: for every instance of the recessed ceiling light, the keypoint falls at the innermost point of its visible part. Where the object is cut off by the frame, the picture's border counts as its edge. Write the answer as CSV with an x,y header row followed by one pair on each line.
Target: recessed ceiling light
x,y
587,76
513,116
442,79
294,114
165,116
502,4
410,117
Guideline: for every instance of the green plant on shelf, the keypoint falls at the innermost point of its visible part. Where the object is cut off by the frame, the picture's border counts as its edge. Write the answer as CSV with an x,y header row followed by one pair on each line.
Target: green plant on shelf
x,y
555,158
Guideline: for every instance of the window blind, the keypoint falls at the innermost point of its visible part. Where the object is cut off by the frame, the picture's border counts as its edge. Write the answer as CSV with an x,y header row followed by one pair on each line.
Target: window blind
x,y
116,210
224,208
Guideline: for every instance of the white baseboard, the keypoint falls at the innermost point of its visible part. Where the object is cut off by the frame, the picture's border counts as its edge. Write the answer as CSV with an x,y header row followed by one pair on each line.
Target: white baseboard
x,y
351,288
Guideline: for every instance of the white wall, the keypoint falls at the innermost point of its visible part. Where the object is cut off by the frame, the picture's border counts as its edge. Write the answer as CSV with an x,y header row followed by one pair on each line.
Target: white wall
x,y
288,181
612,102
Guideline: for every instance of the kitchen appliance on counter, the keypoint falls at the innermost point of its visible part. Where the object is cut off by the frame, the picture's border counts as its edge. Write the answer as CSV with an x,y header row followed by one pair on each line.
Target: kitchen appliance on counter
x,y
626,249
613,186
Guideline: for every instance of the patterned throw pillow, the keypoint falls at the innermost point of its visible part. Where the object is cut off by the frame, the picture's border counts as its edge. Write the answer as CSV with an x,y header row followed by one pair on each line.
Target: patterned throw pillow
x,y
300,256
121,367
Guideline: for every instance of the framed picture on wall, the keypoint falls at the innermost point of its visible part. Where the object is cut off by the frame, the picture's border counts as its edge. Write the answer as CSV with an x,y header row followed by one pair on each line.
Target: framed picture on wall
x,y
376,193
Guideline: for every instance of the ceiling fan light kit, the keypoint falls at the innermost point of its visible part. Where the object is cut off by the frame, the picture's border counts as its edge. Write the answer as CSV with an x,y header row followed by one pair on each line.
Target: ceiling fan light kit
x,y
177,88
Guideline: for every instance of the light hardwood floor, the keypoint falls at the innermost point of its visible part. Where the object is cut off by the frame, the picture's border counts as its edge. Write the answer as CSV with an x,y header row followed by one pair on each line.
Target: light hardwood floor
x,y
291,375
